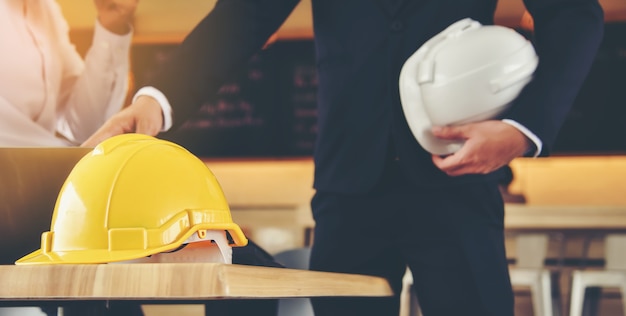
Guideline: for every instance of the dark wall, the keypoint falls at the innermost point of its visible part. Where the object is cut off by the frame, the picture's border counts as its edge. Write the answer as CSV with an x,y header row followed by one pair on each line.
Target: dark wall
x,y
269,110
597,122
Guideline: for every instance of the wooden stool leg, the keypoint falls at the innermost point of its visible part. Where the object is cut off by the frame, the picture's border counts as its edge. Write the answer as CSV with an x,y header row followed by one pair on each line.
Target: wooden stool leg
x,y
577,295
593,295
623,292
546,293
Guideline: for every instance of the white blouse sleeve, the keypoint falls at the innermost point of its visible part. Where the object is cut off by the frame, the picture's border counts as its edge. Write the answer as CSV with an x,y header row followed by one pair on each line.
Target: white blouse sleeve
x,y
93,90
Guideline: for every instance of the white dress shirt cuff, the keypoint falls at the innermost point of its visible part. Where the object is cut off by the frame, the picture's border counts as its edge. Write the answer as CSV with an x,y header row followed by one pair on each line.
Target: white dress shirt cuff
x,y
166,108
538,143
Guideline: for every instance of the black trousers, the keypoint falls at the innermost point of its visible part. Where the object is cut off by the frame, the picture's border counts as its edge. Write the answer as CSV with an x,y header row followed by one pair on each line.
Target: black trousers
x,y
451,237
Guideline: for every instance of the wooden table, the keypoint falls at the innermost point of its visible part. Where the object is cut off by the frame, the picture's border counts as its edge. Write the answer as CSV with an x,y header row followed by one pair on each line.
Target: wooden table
x,y
178,281
580,224
577,223
537,217
175,282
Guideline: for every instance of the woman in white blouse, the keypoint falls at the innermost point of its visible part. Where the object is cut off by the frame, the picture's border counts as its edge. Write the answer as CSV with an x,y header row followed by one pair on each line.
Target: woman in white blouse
x,y
49,95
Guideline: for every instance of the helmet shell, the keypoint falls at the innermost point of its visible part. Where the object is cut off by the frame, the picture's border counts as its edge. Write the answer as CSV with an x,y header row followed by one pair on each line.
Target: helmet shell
x,y
133,196
467,73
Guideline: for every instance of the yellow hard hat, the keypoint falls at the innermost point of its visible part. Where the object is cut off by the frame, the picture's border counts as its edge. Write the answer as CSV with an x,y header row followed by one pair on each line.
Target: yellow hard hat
x,y
133,196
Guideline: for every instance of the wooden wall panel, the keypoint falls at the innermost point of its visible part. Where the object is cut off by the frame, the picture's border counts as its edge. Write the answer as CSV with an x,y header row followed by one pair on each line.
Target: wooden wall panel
x,y
593,180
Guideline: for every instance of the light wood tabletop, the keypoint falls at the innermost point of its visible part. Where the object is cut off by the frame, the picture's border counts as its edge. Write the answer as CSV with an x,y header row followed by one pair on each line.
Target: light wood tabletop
x,y
177,281
565,217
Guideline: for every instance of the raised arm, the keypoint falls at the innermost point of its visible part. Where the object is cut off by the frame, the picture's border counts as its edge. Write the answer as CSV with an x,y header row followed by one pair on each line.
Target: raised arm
x,y
214,50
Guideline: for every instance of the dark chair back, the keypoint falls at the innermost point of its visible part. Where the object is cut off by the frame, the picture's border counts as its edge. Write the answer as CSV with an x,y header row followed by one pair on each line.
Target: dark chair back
x,y
30,180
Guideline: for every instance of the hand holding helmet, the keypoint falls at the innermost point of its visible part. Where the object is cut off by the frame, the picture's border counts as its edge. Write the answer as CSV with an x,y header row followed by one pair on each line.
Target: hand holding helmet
x,y
488,145
468,73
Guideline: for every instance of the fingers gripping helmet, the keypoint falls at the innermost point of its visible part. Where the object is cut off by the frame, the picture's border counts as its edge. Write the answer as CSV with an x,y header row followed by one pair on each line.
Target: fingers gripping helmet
x,y
467,73
135,196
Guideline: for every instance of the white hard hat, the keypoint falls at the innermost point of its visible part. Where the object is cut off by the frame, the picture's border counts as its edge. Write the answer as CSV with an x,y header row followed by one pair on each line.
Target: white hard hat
x,y
467,73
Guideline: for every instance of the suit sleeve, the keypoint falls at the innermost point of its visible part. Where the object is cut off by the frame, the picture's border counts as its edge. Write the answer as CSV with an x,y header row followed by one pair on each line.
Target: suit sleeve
x,y
216,48
567,35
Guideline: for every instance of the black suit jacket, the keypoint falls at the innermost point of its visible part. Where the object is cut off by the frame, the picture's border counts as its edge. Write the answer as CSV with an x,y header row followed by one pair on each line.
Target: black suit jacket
x,y
361,46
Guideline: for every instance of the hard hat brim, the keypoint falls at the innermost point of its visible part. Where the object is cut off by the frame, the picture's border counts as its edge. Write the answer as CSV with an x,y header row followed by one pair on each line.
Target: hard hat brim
x,y
87,256
80,257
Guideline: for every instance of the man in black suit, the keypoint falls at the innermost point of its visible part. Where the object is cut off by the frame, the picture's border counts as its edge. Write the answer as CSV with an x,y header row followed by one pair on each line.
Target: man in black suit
x,y
381,201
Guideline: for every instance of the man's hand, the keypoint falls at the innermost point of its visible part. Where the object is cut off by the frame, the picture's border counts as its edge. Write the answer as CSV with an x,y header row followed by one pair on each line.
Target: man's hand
x,y
143,116
488,146
116,15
